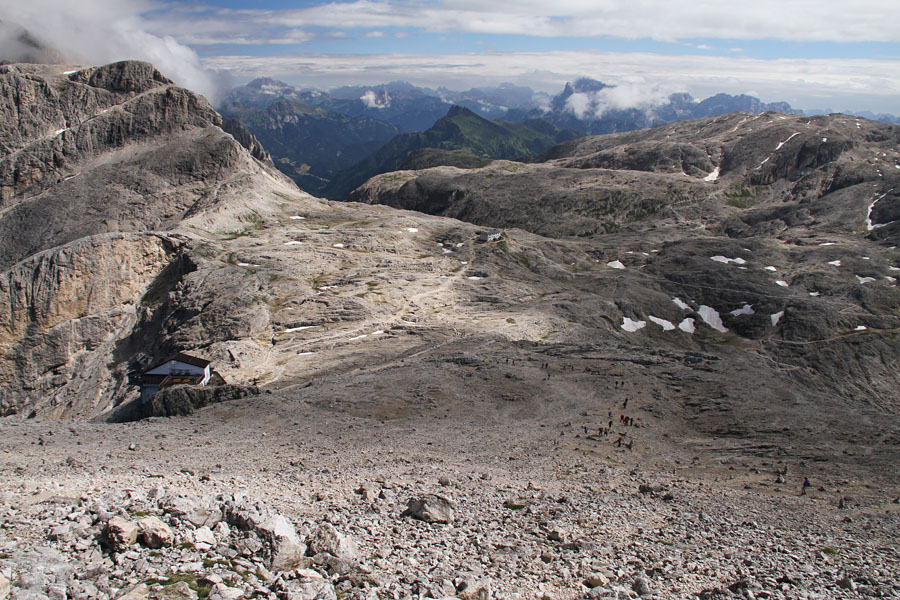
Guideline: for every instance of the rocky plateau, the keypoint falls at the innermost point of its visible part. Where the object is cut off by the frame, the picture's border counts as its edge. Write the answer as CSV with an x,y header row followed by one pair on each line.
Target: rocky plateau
x,y
620,398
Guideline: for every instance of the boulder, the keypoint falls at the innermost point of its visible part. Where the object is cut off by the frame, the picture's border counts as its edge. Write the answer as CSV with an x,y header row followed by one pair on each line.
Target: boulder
x,y
220,591
177,591
327,539
641,587
430,508
284,549
154,533
204,536
4,587
120,533
305,588
137,592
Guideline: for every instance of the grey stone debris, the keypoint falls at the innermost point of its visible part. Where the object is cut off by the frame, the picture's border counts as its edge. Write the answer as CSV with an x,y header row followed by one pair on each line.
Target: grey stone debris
x,y
641,586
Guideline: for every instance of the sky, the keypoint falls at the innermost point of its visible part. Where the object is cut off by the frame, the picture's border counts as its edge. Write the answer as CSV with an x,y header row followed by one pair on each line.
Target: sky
x,y
814,54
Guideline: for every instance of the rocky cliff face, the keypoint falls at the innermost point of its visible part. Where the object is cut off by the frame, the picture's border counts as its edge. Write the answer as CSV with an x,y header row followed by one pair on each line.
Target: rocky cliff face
x,y
93,160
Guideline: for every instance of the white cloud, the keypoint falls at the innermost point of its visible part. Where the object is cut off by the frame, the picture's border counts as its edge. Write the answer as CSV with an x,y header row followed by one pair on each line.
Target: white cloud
x,y
579,104
664,20
103,31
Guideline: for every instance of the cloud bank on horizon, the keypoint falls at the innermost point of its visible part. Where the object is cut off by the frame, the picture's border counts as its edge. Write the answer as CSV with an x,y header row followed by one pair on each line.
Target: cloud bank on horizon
x,y
810,53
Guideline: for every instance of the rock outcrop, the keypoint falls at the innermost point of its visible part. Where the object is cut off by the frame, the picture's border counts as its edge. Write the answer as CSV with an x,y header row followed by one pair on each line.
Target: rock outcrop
x,y
97,166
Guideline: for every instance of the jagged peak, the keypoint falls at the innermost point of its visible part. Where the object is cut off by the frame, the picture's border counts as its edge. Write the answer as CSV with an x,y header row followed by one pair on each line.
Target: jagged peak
x,y
123,76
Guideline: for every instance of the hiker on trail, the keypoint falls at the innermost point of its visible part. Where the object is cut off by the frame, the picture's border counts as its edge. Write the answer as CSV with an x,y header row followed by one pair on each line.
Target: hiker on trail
x,y
625,404
619,442
806,484
610,422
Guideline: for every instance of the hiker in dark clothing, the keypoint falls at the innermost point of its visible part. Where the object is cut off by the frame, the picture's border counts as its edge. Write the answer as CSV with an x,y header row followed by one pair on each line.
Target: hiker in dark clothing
x,y
806,484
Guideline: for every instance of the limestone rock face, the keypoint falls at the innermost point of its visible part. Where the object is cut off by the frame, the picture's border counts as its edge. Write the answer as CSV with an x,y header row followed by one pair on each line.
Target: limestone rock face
x,y
62,312
97,165
246,139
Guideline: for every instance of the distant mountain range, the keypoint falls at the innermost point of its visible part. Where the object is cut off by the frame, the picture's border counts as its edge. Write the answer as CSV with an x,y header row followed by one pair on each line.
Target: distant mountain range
x,y
330,142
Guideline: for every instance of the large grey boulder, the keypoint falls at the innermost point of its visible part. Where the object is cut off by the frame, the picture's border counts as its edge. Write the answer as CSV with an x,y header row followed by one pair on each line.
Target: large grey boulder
x,y
120,533
153,533
305,588
285,550
431,509
329,540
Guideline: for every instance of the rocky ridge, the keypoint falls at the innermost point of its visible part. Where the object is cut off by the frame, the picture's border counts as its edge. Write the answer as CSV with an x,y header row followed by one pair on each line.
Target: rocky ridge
x,y
100,165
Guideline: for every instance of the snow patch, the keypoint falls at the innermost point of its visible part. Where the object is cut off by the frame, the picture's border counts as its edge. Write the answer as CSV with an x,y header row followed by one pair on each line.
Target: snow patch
x,y
293,243
298,218
713,175
412,230
778,147
359,337
746,309
776,317
836,263
681,304
666,325
475,277
824,139
815,294
865,279
338,245
722,259
304,353
615,264
459,245
869,224
59,131
860,328
782,283
828,244
711,317
632,326
301,328
770,268
687,325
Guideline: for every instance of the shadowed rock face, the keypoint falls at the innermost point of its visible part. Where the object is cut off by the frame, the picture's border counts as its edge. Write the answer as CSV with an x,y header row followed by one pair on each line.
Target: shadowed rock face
x,y
93,160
